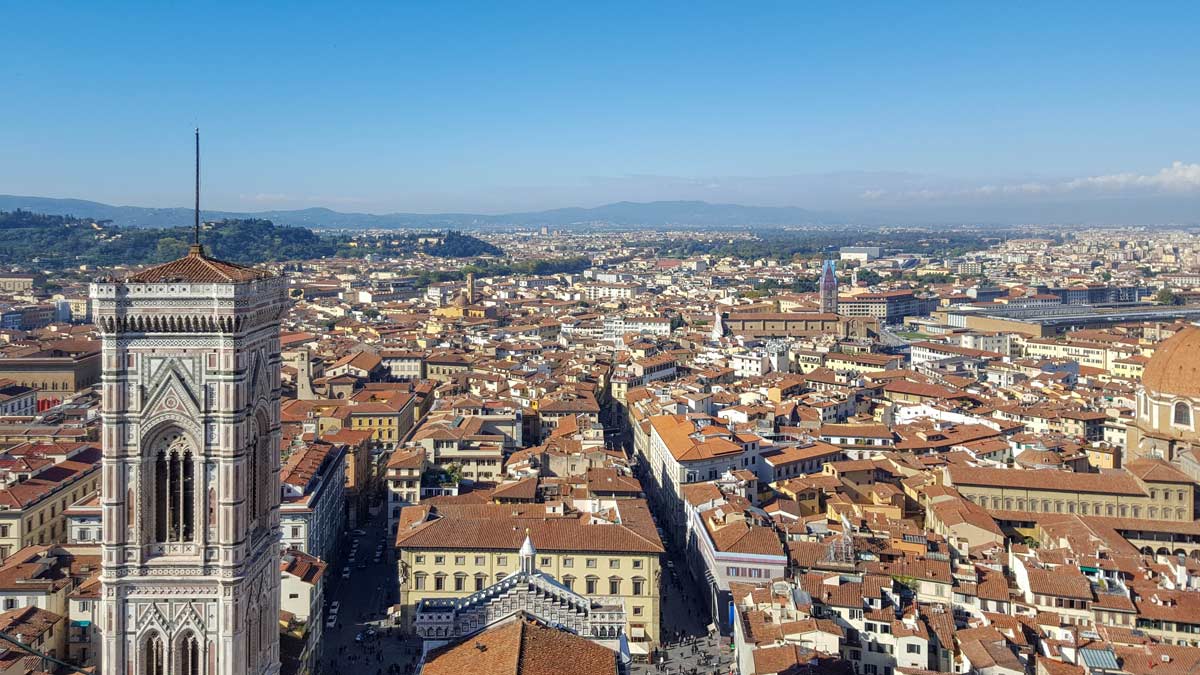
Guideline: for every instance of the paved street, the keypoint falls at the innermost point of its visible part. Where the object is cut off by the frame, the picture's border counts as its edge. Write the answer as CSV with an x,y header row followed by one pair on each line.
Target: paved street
x,y
365,598
698,655
687,646
371,589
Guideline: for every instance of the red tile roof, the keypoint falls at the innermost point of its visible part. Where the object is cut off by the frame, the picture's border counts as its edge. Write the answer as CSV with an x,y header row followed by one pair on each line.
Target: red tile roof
x,y
198,268
522,647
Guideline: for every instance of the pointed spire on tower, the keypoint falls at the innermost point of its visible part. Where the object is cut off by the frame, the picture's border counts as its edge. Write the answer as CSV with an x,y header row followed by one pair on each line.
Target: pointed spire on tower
x,y
196,248
718,329
829,288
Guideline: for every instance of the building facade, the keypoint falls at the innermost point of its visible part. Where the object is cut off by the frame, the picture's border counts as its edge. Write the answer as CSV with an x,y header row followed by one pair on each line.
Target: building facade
x,y
312,510
451,552
189,490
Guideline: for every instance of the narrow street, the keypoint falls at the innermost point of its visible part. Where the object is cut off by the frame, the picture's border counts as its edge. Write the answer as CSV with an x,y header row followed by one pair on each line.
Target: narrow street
x,y
363,637
687,646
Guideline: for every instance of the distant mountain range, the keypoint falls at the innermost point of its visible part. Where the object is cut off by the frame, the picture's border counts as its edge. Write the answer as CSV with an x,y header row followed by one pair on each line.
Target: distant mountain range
x,y
1181,209
650,214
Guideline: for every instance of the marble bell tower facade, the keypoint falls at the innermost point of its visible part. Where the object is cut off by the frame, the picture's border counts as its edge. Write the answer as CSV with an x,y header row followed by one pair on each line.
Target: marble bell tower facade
x,y
190,488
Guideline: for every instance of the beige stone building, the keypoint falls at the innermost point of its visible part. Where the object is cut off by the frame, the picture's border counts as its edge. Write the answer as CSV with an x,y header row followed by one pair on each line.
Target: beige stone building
x,y
1145,489
610,552
404,469
56,369
32,510
16,283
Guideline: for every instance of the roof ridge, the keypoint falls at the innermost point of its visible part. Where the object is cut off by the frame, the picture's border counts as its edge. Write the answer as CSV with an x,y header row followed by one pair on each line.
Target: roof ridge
x,y
520,642
197,267
211,264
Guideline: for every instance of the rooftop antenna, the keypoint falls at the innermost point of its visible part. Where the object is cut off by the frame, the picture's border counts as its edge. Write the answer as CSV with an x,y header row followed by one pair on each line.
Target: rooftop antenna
x,y
196,223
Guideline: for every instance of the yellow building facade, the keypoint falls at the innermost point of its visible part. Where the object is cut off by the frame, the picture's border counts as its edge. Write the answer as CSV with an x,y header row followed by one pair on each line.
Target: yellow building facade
x,y
450,552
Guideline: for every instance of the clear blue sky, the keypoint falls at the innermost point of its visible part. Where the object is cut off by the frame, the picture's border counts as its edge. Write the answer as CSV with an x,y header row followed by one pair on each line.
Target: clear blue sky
x,y
506,106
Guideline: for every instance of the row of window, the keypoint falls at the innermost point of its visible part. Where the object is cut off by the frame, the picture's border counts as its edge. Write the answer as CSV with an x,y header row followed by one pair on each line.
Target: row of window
x,y
459,583
50,386
748,572
544,561
1083,508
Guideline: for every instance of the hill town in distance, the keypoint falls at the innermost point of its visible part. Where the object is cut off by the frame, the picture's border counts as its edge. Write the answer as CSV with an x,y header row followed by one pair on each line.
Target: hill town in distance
x,y
250,448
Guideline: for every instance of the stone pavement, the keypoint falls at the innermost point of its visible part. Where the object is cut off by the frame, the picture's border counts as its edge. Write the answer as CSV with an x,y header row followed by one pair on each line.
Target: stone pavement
x,y
694,655
687,647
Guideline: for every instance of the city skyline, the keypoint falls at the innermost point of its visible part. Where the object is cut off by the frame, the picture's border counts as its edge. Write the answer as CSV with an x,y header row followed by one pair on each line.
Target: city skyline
x,y
403,109
625,339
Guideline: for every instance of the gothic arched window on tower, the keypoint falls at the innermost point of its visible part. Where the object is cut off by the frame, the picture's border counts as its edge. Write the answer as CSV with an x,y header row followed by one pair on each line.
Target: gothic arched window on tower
x,y
154,655
1183,414
174,490
252,483
189,654
258,472
253,646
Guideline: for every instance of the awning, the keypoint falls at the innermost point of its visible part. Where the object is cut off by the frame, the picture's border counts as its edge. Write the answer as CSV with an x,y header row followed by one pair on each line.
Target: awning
x,y
639,648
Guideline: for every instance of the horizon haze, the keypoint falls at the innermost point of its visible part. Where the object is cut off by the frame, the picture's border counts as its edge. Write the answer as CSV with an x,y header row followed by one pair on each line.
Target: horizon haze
x,y
925,112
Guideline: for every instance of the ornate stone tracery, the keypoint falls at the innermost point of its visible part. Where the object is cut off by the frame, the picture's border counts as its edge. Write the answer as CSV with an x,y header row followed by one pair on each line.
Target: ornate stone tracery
x,y
182,414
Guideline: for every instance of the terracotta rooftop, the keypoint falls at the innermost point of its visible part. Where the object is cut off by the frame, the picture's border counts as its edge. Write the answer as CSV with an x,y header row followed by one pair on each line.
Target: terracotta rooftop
x,y
1113,481
198,268
522,647
461,525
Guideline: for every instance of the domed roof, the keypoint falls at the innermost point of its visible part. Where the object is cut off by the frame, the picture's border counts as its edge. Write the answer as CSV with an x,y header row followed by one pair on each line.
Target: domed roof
x,y
1175,367
460,301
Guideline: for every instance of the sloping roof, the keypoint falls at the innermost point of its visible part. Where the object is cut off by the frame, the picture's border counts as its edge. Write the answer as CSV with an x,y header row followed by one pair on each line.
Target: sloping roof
x,y
1064,581
521,489
30,621
1114,481
741,538
676,432
198,268
504,527
307,568
522,647
1157,471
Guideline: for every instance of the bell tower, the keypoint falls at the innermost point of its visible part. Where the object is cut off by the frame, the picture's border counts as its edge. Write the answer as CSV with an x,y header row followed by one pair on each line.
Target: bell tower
x,y
190,471
828,287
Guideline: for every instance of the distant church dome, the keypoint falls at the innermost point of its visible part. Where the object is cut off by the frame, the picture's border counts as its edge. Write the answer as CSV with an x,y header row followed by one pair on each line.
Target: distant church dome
x,y
1175,367
460,301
